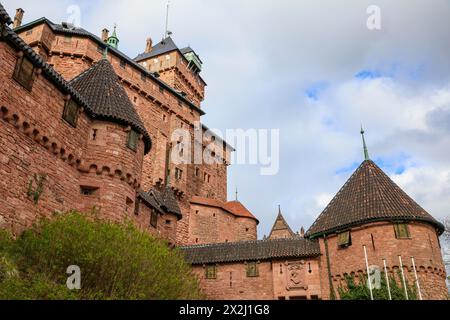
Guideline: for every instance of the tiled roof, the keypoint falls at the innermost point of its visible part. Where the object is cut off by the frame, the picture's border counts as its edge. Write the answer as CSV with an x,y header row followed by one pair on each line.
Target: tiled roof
x,y
234,207
82,32
150,200
166,45
167,201
100,87
281,225
369,195
251,251
4,16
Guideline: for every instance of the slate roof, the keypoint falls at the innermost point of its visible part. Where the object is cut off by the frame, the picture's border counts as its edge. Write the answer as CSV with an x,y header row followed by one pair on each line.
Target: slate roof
x,y
251,251
166,45
167,201
150,200
100,87
369,195
58,28
4,16
280,224
234,207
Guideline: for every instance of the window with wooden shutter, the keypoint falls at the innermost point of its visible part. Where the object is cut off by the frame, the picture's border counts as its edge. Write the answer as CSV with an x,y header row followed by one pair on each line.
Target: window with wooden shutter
x,y
344,239
401,231
211,271
252,269
24,72
133,138
70,113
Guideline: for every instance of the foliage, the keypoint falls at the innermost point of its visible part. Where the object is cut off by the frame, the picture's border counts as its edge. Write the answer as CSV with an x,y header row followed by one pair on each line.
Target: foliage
x,y
358,290
116,262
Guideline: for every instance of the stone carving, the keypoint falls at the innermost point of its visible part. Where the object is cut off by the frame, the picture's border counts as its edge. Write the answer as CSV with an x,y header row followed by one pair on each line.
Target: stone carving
x,y
296,276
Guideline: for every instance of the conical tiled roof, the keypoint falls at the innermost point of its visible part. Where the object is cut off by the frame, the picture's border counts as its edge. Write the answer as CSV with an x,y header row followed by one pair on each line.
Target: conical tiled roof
x,y
4,17
281,228
100,87
369,195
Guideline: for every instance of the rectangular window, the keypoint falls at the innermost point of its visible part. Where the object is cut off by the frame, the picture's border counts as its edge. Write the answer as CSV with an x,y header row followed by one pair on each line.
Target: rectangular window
x,y
123,64
211,271
143,76
401,231
178,174
137,206
133,138
197,172
344,239
70,113
24,73
154,218
252,269
161,89
88,191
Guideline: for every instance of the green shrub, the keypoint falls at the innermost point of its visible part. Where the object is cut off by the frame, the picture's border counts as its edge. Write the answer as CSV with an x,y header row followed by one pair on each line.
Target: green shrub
x,y
116,262
353,290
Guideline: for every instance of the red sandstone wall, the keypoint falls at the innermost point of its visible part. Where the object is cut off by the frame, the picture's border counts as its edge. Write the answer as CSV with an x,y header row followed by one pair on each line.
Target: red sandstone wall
x,y
232,282
423,246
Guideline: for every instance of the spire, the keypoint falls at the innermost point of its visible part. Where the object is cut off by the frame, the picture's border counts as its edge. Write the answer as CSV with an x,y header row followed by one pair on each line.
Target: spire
x,y
113,41
237,194
366,151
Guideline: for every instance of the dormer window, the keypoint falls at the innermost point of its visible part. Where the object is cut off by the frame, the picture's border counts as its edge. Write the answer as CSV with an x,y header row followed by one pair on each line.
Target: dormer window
x,y
71,111
133,139
24,72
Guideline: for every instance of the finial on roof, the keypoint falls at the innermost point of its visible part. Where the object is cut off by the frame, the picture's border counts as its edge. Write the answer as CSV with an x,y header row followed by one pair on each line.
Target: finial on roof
x,y
279,209
366,151
237,194
113,41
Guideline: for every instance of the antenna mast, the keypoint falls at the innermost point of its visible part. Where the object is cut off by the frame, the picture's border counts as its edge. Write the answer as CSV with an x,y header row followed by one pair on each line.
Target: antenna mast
x,y
166,34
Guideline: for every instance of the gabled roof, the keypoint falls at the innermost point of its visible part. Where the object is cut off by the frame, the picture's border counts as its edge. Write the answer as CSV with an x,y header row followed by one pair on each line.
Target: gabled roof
x,y
100,87
165,46
188,50
368,196
58,28
233,207
251,251
4,16
281,227
162,200
167,201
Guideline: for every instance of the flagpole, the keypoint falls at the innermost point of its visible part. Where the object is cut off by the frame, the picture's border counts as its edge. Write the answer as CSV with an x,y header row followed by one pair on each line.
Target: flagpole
x,y
417,278
387,279
403,277
368,274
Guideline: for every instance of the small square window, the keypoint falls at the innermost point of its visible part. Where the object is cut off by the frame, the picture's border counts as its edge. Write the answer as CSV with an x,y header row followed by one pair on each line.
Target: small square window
x,y
154,218
252,269
71,111
143,76
133,138
344,239
24,73
402,231
211,271
161,89
123,64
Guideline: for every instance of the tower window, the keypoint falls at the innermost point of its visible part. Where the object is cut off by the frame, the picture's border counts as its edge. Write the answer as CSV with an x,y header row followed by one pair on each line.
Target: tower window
x,y
123,63
344,239
70,113
24,73
88,191
197,172
401,231
252,269
143,76
133,138
178,174
161,89
137,207
211,271
154,218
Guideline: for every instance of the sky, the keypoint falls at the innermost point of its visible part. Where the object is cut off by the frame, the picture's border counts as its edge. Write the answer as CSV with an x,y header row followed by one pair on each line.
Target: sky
x,y
313,70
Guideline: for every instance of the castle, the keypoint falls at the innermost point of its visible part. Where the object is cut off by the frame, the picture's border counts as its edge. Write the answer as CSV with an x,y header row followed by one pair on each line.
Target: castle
x,y
85,127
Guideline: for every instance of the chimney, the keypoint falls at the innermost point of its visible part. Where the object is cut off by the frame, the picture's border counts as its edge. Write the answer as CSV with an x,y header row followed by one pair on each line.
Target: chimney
x,y
149,46
105,35
302,232
18,18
